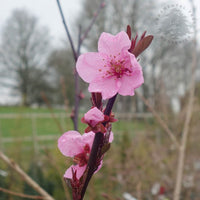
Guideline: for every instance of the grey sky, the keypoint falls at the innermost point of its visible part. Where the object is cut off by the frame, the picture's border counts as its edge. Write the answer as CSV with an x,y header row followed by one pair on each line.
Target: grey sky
x,y
45,10
48,15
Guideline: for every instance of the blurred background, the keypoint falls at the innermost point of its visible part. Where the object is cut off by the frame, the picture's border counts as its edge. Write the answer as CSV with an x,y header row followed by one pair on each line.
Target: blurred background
x,y
37,96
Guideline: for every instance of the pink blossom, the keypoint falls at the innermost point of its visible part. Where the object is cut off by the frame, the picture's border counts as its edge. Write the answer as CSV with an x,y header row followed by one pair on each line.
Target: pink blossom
x,y
93,117
113,69
73,144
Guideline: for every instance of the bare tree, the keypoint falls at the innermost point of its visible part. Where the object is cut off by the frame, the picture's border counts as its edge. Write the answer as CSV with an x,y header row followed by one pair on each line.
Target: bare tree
x,y
23,53
62,65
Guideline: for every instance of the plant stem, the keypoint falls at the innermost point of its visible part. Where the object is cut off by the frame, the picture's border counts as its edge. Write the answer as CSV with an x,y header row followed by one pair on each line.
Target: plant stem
x,y
25,176
67,30
181,159
98,141
76,55
96,147
159,120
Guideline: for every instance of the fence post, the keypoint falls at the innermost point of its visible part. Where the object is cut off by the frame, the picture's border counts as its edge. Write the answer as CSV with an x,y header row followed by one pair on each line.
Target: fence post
x,y
62,121
1,138
34,133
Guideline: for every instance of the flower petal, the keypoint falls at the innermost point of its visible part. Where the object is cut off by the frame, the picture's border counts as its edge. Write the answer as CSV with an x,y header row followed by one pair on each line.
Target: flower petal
x,y
69,144
88,66
111,137
129,83
93,117
88,138
106,86
113,44
79,171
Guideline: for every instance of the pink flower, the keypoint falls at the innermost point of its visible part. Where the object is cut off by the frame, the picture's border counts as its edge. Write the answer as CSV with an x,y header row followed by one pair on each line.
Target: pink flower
x,y
94,118
73,144
113,69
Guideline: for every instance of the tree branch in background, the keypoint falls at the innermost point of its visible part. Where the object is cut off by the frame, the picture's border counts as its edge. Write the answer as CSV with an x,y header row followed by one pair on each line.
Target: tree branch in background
x,y
63,88
158,118
102,5
67,30
76,53
25,176
56,166
51,110
20,194
181,155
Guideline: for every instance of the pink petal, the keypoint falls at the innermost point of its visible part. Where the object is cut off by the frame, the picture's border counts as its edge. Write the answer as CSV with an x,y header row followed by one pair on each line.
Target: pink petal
x,y
106,86
79,171
113,44
129,83
88,138
93,116
88,66
134,61
111,137
69,144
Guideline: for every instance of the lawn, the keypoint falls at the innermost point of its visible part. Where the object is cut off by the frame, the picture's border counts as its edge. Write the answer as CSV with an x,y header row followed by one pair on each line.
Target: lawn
x,y
23,152
20,126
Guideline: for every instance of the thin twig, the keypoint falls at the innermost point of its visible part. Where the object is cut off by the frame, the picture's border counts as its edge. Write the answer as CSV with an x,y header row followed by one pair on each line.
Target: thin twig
x,y
76,54
63,87
158,118
20,194
67,30
92,22
181,157
77,87
51,111
56,166
106,196
25,176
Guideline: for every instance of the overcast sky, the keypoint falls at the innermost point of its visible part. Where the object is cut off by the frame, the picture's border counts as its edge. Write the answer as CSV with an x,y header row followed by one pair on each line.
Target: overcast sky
x,y
45,10
48,15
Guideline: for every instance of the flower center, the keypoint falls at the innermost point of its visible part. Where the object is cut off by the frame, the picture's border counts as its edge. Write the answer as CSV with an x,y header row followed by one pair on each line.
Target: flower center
x,y
82,158
117,67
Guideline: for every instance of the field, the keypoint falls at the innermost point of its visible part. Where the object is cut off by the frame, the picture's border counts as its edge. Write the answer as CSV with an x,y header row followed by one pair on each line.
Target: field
x,y
140,157
29,133
27,122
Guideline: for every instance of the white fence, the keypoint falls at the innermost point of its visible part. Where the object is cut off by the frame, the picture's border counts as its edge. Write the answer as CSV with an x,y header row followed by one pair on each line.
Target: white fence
x,y
59,118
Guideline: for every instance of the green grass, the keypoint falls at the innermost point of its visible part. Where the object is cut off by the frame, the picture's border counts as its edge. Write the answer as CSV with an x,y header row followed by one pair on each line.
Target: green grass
x,y
20,127
23,151
19,110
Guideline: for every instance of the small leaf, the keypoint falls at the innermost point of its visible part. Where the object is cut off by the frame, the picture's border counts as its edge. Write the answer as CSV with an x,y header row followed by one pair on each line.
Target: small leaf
x,y
143,35
142,45
128,31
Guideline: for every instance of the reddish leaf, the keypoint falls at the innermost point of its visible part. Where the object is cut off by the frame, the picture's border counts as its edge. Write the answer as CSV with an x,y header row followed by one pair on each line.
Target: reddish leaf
x,y
142,45
128,31
143,35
